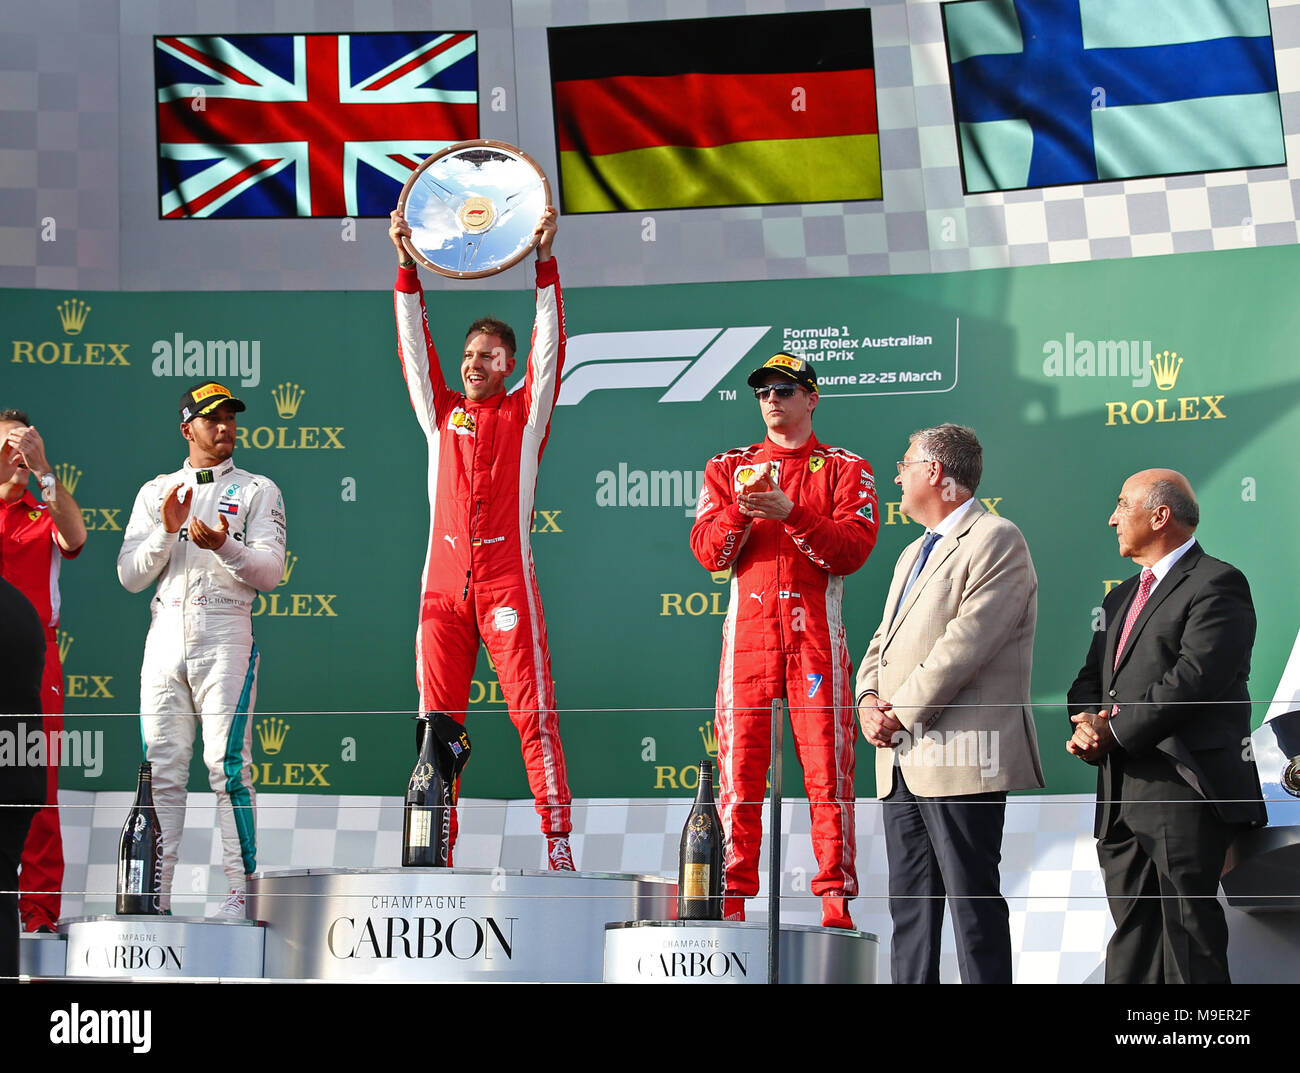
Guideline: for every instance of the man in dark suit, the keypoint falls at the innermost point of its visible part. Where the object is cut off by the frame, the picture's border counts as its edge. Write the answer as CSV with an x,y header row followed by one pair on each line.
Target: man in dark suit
x,y
1161,708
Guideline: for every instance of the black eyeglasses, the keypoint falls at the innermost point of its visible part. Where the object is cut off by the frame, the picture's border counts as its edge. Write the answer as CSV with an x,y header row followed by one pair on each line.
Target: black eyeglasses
x,y
781,391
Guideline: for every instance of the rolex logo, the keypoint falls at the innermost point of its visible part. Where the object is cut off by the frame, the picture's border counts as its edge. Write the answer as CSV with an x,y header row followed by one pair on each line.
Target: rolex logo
x,y
720,577
1165,366
72,315
287,398
65,643
271,733
710,738
293,604
68,475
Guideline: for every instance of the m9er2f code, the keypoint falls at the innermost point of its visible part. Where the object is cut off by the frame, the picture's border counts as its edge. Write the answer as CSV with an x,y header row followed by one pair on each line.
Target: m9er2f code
x,y
1183,1016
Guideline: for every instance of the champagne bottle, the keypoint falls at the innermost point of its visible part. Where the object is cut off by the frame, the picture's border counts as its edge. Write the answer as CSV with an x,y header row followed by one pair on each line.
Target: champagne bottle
x,y
426,831
139,854
699,882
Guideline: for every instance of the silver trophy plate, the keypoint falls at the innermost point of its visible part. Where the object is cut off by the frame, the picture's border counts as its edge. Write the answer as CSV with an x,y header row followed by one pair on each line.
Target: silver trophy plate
x,y
473,208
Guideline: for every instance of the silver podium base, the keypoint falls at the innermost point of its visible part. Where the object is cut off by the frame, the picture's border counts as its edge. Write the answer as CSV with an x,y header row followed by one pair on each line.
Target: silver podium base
x,y
731,952
445,924
42,954
1262,871
1261,880
156,947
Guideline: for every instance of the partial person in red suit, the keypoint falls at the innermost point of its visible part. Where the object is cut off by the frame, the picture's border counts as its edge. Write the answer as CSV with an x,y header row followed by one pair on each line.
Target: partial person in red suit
x,y
36,538
790,517
485,446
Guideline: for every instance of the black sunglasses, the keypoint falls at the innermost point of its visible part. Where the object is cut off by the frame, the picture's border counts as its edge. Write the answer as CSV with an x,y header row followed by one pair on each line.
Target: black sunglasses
x,y
782,391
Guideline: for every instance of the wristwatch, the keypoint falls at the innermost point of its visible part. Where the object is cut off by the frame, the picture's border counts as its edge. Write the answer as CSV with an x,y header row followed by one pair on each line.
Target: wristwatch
x,y
47,487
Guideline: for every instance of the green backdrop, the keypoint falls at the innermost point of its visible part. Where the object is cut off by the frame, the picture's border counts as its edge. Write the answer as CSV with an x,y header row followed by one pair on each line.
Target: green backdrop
x,y
634,622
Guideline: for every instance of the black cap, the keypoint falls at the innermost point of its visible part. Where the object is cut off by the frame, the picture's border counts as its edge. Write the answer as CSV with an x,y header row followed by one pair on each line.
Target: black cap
x,y
205,397
798,370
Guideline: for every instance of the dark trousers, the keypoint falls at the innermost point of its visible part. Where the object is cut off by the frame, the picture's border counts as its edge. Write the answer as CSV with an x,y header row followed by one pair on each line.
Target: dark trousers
x,y
1161,859
946,848
14,822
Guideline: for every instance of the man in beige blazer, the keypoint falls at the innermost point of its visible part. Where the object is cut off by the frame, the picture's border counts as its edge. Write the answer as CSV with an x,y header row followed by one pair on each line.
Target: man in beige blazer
x,y
943,694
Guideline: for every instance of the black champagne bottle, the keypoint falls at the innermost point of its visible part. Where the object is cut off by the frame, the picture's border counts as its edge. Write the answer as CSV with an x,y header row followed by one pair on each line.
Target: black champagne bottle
x,y
699,881
427,826
139,854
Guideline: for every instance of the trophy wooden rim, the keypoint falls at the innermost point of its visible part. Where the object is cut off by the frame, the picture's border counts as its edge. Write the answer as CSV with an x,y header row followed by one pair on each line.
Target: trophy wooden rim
x,y
447,151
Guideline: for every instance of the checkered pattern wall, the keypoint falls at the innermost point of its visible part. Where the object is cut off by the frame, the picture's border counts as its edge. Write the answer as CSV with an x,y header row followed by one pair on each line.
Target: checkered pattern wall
x,y
78,211
1059,919
77,145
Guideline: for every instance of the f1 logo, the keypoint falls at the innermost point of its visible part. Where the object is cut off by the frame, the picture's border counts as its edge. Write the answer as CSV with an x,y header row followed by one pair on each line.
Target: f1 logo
x,y
689,362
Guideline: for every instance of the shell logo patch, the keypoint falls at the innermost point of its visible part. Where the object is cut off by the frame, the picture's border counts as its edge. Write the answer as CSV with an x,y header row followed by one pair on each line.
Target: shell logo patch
x,y
744,476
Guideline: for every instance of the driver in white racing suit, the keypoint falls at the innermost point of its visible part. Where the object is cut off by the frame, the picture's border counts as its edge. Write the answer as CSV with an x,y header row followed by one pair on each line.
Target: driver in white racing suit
x,y
212,535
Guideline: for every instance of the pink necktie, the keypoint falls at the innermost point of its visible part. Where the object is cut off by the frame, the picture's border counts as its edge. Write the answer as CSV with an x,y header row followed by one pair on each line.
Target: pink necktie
x,y
1135,609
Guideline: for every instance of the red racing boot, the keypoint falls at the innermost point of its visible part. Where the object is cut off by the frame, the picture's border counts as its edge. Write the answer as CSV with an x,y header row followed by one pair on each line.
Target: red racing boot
x,y
835,912
559,857
733,909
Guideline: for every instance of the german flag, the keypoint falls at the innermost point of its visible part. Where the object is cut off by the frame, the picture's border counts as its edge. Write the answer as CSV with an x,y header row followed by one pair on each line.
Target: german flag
x,y
750,110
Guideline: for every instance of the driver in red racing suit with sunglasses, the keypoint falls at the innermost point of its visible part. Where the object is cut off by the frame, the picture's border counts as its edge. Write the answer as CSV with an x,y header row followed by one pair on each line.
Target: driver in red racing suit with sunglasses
x,y
790,516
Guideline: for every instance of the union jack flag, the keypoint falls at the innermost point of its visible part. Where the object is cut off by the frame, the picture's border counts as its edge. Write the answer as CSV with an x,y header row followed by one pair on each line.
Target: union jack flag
x,y
275,125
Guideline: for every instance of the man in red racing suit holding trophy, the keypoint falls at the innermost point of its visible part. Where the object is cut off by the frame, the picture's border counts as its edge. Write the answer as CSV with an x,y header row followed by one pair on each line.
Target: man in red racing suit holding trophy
x,y
479,584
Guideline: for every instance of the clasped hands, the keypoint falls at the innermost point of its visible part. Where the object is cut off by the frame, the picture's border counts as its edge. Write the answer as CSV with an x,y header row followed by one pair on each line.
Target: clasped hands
x,y
879,725
175,509
1092,738
763,499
